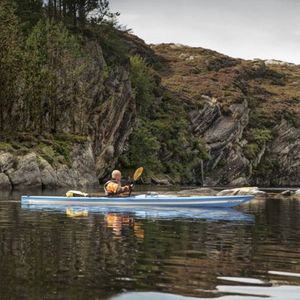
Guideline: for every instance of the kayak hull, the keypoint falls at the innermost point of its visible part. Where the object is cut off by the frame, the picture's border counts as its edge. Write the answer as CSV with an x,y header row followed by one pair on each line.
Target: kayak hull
x,y
140,201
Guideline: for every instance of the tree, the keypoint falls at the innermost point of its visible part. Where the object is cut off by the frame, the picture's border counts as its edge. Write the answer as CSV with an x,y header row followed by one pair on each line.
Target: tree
x,y
51,67
29,12
9,61
80,12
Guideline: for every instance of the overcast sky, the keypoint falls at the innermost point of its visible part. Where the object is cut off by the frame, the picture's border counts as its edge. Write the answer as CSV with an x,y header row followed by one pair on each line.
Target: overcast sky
x,y
239,28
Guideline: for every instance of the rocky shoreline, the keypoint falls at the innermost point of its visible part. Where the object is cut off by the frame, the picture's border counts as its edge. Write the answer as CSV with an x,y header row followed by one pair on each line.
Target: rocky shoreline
x,y
33,171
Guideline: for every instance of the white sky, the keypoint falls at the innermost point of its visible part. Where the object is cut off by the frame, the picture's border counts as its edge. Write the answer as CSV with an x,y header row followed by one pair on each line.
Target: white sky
x,y
239,28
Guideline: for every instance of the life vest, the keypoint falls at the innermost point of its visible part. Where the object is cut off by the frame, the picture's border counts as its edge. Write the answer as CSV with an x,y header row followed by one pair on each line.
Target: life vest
x,y
116,191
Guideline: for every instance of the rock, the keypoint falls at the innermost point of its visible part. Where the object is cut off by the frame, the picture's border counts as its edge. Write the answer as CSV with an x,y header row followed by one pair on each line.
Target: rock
x,y
287,193
240,181
163,181
5,182
199,191
48,175
278,62
82,172
285,155
242,191
7,161
296,196
177,46
26,173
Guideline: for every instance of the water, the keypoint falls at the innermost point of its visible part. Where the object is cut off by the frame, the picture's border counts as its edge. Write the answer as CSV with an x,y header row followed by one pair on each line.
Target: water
x,y
247,253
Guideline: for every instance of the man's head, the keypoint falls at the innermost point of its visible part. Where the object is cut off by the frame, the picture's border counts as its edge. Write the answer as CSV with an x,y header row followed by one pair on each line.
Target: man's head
x,y
116,175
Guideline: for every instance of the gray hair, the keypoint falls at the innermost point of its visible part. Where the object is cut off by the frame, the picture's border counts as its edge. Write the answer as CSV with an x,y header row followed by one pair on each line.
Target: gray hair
x,y
115,173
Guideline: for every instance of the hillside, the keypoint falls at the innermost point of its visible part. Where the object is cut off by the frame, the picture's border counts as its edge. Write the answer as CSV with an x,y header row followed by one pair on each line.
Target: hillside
x,y
247,112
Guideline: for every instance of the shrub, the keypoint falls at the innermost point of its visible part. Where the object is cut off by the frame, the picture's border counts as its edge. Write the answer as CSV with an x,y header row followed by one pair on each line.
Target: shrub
x,y
260,136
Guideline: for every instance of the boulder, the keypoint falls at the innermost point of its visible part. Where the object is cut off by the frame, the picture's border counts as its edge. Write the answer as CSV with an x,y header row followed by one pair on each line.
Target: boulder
x,y
48,175
287,193
199,191
4,182
163,181
240,181
7,161
296,196
26,172
242,191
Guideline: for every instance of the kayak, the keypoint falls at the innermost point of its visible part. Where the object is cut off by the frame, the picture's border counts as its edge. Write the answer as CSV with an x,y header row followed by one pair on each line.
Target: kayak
x,y
144,200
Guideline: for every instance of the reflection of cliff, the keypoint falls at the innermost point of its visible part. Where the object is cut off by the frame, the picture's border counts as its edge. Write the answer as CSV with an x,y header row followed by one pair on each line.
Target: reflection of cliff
x,y
42,254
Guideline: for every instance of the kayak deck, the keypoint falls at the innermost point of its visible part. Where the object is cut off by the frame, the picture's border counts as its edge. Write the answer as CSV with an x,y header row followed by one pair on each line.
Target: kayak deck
x,y
141,200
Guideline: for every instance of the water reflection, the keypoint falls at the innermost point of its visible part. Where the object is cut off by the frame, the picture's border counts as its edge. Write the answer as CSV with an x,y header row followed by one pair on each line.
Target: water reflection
x,y
213,214
46,255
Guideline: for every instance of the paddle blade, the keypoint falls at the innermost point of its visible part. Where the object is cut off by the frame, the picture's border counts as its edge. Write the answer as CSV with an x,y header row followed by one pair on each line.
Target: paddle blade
x,y
138,173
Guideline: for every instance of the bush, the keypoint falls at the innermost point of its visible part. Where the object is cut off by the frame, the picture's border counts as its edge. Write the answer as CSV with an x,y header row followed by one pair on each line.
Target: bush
x,y
260,136
251,150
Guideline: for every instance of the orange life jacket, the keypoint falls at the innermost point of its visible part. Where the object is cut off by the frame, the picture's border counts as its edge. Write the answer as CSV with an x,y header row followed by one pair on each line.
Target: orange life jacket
x,y
112,188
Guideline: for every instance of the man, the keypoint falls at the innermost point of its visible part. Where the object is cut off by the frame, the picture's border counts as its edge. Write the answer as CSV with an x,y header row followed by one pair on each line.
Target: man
x,y
113,187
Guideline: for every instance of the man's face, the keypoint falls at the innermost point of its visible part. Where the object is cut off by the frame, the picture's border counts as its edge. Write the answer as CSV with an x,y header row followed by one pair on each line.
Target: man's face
x,y
118,177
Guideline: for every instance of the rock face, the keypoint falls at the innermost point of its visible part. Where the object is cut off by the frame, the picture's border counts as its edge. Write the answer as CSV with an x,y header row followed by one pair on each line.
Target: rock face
x,y
222,134
285,153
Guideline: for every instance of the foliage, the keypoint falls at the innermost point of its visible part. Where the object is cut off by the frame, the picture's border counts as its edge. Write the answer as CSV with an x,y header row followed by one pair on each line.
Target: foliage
x,y
9,61
50,67
260,136
144,149
28,13
161,141
251,150
80,12
115,51
142,82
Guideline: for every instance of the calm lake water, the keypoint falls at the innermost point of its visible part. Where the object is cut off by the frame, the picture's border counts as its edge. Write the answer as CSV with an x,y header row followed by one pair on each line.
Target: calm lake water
x,y
150,254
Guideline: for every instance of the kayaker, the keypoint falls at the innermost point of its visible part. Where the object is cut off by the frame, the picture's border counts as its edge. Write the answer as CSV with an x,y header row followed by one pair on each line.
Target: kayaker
x,y
113,187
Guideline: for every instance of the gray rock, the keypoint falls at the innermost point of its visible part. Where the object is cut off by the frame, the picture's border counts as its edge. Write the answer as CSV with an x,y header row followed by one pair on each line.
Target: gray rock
x,y
5,182
161,181
199,191
287,193
240,181
26,172
7,161
47,173
82,172
296,196
241,191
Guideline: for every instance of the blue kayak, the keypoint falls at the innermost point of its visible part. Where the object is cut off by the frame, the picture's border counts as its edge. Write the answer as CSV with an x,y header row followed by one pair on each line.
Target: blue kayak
x,y
144,200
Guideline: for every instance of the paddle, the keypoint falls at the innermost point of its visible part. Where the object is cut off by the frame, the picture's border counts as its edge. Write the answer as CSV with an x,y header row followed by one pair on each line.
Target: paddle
x,y
136,176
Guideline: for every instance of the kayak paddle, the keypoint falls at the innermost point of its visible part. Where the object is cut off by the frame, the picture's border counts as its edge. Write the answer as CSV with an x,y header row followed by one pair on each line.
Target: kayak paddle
x,y
136,176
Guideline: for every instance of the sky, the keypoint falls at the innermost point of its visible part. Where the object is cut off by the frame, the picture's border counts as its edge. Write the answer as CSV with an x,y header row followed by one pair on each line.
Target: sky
x,y
266,29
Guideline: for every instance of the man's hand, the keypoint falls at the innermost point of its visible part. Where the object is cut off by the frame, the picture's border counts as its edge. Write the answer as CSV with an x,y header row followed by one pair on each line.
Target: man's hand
x,y
126,188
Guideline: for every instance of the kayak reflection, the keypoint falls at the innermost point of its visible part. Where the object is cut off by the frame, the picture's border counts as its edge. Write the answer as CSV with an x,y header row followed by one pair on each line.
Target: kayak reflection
x,y
210,214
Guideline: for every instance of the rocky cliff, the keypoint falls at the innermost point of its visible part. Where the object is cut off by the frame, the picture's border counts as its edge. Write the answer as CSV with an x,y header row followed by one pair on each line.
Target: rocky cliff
x,y
90,136
202,118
